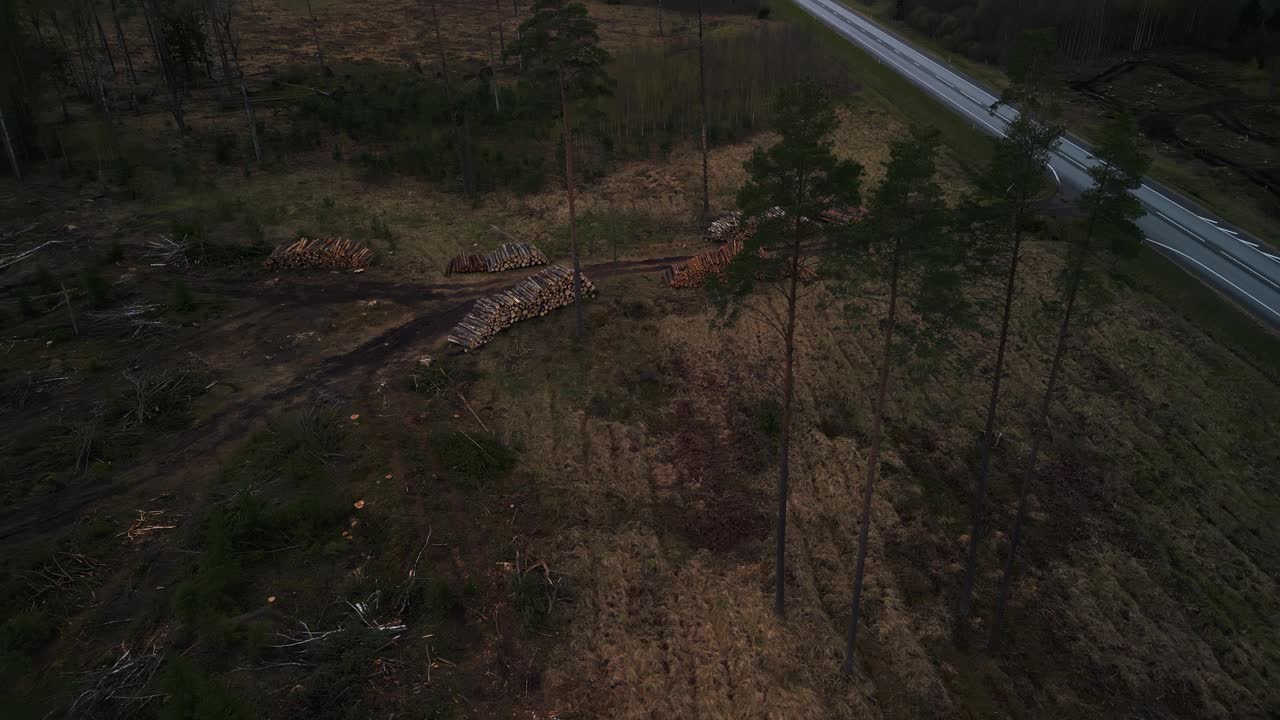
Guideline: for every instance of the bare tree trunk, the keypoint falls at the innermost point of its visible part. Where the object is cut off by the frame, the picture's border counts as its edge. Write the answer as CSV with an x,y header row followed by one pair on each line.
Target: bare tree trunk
x,y
515,13
215,22
788,413
464,150
493,75
873,466
81,80
315,35
102,36
8,146
579,325
166,67
124,46
988,436
702,92
1037,437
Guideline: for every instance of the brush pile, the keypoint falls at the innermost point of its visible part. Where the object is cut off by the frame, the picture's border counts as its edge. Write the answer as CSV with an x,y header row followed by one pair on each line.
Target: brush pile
x,y
508,256
533,297
319,254
702,266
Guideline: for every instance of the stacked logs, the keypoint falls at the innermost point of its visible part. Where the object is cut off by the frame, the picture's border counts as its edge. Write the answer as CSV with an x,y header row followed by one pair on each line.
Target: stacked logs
x,y
319,253
533,297
734,227
508,256
702,266
725,228
841,215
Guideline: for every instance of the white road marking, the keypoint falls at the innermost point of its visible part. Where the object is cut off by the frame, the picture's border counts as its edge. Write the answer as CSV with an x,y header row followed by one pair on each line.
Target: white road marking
x,y
1229,232
1055,174
1208,220
1219,276
1246,242
1224,254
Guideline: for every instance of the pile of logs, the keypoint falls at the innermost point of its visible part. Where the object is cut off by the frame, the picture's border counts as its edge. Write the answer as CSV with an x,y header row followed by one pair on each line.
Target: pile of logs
x,y
319,253
725,228
533,297
841,215
508,256
702,266
733,227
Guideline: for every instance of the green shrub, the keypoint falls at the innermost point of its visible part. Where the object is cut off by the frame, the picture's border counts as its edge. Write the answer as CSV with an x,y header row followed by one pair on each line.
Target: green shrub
x,y
114,254
96,286
46,280
210,589
183,300
474,457
379,228
764,12
25,305
225,149
431,600
767,419
192,695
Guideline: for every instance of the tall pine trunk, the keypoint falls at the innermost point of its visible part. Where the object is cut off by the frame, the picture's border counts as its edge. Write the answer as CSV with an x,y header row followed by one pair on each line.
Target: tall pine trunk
x,y
315,34
702,92
8,147
579,325
873,466
988,435
124,46
102,37
1037,438
788,414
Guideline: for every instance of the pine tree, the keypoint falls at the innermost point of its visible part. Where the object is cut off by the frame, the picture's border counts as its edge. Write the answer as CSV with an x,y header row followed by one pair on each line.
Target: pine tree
x,y
801,175
999,216
1112,210
904,242
560,49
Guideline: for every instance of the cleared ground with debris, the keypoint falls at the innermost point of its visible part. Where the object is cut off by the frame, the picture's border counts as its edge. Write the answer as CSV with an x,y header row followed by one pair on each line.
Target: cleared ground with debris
x,y
279,486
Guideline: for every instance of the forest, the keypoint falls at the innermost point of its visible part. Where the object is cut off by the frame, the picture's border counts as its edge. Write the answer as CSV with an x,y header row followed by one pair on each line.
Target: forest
x,y
555,359
1244,30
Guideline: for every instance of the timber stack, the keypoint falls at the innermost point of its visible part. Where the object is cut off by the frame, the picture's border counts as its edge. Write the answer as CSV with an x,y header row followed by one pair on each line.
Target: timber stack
x,y
508,256
841,215
533,297
319,254
702,266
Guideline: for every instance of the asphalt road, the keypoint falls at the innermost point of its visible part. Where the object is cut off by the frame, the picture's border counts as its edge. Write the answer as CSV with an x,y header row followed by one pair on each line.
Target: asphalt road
x,y
1224,256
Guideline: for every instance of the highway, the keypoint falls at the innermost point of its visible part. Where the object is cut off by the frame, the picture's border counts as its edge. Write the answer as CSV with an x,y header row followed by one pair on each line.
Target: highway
x,y
1241,266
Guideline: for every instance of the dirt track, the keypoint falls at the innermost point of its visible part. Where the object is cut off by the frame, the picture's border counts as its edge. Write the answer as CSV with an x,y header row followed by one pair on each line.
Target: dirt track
x,y
345,375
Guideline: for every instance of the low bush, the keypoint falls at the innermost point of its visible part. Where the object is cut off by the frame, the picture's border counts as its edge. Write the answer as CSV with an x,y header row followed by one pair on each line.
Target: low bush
x,y
473,457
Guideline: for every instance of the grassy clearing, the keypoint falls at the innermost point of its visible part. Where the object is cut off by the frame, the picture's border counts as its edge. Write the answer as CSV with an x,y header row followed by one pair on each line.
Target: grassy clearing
x,y
1210,312
896,94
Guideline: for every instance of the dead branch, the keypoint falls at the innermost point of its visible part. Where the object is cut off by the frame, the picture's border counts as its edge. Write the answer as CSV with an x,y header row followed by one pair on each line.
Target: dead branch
x,y
120,682
15,258
167,251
